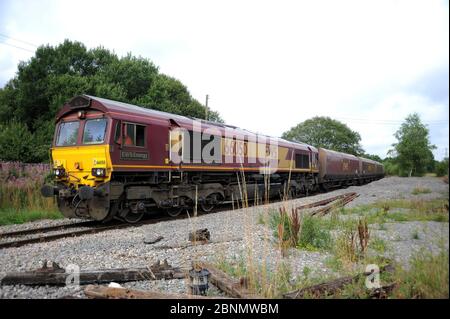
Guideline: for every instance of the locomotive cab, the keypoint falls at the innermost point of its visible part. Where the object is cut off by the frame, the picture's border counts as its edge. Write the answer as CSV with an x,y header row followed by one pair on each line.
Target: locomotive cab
x,y
81,160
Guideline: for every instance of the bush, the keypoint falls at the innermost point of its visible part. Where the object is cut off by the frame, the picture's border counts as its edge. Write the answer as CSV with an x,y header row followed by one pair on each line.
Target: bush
x,y
441,168
20,187
16,142
313,235
391,168
306,231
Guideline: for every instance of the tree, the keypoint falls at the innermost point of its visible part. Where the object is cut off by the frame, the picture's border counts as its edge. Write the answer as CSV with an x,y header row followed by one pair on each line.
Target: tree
x,y
391,166
413,151
56,74
16,142
441,168
372,157
327,133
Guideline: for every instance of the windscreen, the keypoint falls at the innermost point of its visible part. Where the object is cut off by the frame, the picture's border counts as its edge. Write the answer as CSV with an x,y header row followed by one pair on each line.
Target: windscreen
x,y
68,133
94,131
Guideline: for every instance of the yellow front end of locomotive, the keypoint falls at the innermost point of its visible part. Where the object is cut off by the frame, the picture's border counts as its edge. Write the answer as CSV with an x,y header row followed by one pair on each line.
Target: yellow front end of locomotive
x,y
76,166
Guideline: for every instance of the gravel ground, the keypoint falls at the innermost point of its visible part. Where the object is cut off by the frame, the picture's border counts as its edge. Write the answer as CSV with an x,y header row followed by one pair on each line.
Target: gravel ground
x,y
234,233
405,239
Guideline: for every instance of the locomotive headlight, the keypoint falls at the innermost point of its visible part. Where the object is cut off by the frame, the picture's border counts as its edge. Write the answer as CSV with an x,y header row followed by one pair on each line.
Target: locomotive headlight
x,y
59,172
99,172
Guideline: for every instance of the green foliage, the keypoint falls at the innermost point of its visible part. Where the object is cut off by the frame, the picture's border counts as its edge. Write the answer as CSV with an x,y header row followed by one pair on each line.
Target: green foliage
x,y
268,283
312,235
56,74
379,245
327,133
413,150
20,196
16,142
426,278
441,168
373,157
12,216
420,190
403,210
391,167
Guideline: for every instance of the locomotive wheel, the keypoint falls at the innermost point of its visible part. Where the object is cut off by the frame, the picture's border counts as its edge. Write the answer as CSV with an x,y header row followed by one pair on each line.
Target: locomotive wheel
x,y
128,215
174,211
210,202
207,207
133,217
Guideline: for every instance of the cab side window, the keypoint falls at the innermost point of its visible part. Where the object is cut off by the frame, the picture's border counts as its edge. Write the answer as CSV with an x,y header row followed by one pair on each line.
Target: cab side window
x,y
134,135
117,133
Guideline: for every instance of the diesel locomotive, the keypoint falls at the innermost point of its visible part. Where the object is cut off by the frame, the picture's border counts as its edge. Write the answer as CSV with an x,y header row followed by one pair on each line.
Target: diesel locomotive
x,y
116,160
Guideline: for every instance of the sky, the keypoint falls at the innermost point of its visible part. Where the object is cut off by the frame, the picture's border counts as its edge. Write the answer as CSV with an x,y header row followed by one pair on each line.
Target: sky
x,y
268,65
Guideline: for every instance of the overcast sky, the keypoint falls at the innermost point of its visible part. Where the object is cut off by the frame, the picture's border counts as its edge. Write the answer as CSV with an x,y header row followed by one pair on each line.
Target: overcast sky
x,y
268,65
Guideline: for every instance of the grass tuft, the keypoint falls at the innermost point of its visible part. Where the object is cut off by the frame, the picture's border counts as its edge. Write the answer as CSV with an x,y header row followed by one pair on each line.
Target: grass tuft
x,y
306,232
12,216
420,190
427,278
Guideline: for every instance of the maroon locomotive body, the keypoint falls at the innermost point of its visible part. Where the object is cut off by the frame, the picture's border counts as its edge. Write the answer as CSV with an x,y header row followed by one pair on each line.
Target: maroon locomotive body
x,y
116,160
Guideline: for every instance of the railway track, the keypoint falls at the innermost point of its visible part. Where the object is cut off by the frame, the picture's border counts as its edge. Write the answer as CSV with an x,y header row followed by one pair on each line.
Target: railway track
x,y
89,227
47,229
46,234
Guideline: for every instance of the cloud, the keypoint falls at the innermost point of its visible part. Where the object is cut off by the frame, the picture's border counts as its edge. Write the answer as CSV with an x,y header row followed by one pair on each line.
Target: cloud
x,y
268,65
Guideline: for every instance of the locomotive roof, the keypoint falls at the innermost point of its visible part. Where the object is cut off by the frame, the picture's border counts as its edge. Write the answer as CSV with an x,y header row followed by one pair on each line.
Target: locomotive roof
x,y
110,106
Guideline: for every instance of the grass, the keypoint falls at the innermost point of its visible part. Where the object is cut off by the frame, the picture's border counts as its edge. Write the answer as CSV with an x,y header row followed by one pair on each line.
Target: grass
x,y
351,242
401,210
379,245
334,263
20,196
420,190
350,248
382,226
12,216
268,284
427,277
312,232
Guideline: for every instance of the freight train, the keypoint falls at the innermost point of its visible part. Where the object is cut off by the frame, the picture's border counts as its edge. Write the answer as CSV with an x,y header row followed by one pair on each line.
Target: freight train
x,y
116,160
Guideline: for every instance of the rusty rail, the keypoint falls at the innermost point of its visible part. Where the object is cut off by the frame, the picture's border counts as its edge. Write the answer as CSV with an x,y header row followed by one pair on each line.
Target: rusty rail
x,y
75,233
338,202
48,229
97,228
331,287
324,201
